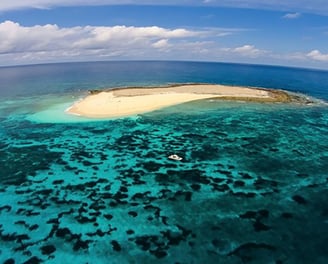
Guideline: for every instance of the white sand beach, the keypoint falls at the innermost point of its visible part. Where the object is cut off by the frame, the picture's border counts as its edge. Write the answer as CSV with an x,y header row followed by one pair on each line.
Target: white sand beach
x,y
130,101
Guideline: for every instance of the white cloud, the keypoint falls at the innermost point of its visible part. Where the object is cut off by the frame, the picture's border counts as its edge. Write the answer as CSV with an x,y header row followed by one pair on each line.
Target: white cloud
x,y
51,43
315,6
161,44
317,55
292,15
247,51
48,43
101,37
38,38
16,38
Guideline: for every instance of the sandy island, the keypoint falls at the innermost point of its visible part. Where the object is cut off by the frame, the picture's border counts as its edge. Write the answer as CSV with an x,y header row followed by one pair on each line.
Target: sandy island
x,y
130,101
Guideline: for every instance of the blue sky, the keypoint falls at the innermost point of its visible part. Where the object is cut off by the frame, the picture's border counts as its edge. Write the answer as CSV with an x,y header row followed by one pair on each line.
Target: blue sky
x,y
261,32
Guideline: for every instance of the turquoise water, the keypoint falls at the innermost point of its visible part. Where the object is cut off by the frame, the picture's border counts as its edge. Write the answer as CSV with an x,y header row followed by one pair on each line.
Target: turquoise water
x,y
251,188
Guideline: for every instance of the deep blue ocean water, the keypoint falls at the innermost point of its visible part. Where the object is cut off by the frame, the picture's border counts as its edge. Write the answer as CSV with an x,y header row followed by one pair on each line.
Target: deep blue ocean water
x,y
251,188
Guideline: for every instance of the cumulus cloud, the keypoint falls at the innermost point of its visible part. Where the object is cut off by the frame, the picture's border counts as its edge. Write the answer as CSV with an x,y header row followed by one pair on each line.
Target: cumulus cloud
x,y
292,15
54,43
51,43
16,38
161,44
101,37
317,55
247,51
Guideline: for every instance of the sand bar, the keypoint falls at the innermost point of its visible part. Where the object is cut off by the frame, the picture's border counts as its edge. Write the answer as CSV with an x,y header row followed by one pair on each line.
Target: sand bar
x,y
131,101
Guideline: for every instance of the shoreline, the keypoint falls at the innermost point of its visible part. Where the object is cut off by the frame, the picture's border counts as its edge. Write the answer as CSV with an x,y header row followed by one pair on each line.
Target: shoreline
x,y
123,102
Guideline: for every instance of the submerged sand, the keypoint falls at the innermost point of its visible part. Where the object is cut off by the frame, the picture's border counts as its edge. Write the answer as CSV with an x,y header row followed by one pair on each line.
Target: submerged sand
x,y
131,101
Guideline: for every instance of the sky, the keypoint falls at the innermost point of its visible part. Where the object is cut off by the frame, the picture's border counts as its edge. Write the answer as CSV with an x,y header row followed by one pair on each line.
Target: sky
x,y
274,32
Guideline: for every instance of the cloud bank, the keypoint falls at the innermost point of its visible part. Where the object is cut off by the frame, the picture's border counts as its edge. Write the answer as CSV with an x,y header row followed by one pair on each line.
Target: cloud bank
x,y
16,38
51,43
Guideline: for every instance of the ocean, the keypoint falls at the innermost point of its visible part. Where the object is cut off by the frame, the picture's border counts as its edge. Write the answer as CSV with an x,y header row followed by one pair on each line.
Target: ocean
x,y
251,188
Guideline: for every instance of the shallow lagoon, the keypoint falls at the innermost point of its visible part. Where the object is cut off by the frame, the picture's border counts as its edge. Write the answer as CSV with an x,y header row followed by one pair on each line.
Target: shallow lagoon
x,y
251,188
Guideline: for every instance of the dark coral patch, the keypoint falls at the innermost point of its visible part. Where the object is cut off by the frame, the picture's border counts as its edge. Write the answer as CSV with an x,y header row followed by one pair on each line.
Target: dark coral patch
x,y
116,245
9,261
130,232
33,260
287,215
159,253
80,244
299,199
47,250
133,213
259,226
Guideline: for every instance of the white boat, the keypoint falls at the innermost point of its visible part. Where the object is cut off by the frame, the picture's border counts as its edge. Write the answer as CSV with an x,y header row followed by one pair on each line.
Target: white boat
x,y
175,157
